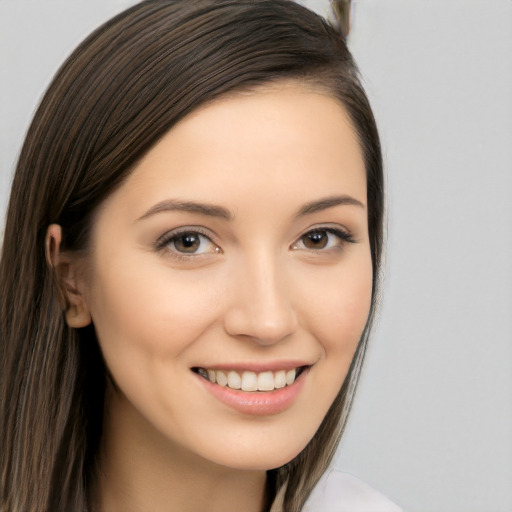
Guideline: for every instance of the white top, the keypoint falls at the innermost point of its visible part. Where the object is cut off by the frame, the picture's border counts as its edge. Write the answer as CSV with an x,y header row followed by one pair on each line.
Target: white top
x,y
341,492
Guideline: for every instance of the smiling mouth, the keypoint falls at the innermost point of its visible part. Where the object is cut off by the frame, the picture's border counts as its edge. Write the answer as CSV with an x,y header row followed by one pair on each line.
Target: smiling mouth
x,y
251,381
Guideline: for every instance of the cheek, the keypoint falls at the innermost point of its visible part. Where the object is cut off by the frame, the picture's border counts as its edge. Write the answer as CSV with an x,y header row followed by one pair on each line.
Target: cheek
x,y
146,324
338,312
154,313
338,317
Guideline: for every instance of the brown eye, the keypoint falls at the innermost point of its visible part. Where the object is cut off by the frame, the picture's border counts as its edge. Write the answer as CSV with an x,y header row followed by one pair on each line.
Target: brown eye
x,y
323,239
316,240
187,242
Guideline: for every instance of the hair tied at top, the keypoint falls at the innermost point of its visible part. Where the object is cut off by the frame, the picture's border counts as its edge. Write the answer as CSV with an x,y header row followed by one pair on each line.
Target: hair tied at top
x,y
336,11
342,12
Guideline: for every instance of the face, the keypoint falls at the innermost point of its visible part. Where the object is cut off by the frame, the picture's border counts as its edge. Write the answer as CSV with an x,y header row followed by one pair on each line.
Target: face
x,y
236,255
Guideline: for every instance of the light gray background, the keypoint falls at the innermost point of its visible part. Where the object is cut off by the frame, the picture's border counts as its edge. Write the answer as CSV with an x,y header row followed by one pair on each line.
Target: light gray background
x,y
432,423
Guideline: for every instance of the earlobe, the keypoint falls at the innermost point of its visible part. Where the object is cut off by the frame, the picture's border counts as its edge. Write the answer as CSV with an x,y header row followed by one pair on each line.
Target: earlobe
x,y
65,268
78,316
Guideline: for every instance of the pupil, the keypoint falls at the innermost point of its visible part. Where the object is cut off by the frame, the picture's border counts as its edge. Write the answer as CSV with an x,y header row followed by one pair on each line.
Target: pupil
x,y
316,240
188,242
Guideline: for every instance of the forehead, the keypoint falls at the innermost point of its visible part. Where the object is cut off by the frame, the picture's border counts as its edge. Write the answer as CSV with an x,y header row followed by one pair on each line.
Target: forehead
x,y
285,139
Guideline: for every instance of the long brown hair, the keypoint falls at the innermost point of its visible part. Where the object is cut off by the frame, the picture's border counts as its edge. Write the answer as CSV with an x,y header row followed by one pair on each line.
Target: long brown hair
x,y
121,90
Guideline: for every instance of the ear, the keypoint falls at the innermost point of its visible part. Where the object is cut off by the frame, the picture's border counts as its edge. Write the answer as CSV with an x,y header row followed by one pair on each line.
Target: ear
x,y
67,274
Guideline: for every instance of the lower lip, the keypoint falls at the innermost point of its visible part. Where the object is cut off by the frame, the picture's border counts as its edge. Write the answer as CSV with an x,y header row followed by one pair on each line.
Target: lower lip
x,y
257,403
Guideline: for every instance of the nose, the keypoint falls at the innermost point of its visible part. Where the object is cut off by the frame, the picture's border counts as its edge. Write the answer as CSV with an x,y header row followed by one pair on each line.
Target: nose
x,y
260,308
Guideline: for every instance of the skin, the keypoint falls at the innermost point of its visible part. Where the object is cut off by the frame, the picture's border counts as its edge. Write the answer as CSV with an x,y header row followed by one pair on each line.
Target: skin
x,y
256,291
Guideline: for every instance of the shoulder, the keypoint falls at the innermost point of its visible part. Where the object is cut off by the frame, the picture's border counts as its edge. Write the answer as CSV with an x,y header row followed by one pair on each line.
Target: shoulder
x,y
337,492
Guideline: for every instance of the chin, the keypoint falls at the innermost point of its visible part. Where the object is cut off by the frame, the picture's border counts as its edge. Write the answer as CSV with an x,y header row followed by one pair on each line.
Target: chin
x,y
258,456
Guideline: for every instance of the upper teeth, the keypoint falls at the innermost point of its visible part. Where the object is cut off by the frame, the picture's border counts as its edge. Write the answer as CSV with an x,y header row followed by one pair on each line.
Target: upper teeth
x,y
250,381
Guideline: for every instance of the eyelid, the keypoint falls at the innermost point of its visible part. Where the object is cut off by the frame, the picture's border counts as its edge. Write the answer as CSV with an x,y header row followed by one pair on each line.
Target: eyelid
x,y
344,234
166,238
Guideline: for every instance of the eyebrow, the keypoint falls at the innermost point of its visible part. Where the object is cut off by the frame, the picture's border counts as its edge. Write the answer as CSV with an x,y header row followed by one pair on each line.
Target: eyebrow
x,y
212,210
329,202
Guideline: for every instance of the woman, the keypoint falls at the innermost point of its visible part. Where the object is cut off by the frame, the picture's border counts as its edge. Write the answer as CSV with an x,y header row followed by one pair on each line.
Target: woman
x,y
190,266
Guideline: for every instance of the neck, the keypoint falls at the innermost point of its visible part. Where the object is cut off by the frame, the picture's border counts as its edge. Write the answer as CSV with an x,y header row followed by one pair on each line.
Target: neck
x,y
142,471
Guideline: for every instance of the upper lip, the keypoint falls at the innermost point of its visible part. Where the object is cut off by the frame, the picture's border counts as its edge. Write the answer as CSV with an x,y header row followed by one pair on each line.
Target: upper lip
x,y
257,367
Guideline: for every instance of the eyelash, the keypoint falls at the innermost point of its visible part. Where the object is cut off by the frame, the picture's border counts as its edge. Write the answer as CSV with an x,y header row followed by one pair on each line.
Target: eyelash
x,y
343,235
172,237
